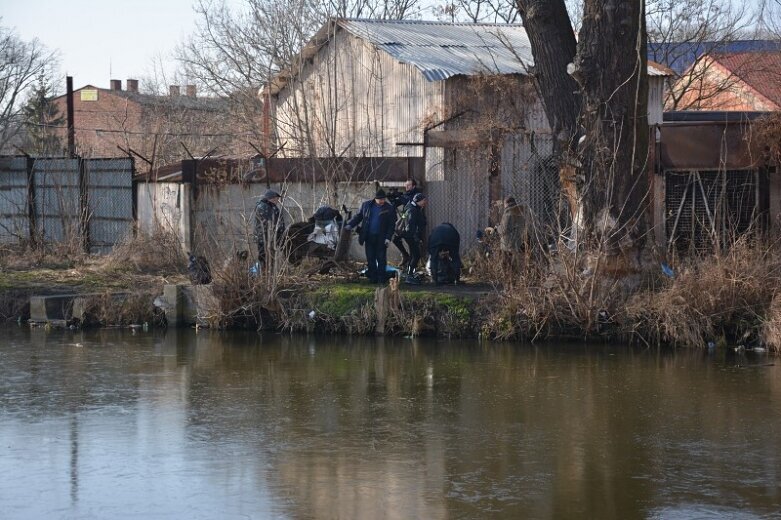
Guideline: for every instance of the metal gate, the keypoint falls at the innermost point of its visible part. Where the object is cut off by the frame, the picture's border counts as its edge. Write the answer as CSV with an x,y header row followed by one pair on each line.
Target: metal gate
x,y
707,210
110,202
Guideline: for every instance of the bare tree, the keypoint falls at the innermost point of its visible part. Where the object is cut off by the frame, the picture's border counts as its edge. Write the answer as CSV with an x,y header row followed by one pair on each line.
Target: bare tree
x,y
21,64
479,11
684,34
235,53
595,95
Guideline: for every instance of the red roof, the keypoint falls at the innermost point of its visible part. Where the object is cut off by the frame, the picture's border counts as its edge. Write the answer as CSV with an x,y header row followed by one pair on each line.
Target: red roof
x,y
759,70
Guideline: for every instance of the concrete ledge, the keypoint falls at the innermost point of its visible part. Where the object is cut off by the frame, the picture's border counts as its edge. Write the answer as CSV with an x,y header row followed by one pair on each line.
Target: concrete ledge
x,y
184,303
63,309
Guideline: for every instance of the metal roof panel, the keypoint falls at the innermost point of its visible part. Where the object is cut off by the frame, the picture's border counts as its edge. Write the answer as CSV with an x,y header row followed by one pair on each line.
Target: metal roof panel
x,y
442,50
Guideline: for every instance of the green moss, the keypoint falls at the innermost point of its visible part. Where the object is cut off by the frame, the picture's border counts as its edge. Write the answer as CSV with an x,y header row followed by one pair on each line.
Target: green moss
x,y
458,307
340,299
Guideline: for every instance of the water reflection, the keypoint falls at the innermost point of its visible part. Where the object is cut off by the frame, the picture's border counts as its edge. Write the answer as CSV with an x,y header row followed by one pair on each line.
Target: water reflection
x,y
110,424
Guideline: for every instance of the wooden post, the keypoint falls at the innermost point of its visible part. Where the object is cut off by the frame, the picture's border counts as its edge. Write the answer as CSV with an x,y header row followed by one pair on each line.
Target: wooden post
x,y
71,122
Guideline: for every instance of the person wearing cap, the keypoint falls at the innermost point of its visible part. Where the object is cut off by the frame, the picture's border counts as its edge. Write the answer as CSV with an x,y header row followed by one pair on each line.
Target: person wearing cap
x,y
379,223
411,227
269,223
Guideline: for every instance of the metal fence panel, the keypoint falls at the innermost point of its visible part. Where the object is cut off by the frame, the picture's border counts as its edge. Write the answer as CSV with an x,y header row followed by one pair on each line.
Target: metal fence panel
x,y
458,185
14,217
709,209
110,202
57,199
58,192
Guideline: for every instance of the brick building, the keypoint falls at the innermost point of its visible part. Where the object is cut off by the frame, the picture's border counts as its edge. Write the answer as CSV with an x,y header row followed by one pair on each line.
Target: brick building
x,y
735,82
107,119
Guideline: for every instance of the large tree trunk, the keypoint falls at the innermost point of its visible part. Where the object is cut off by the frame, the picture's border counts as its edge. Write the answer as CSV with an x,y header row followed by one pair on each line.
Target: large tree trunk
x,y
610,68
598,86
553,45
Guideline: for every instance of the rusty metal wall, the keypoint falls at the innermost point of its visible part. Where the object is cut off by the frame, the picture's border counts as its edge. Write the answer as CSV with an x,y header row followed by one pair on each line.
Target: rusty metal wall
x,y
14,218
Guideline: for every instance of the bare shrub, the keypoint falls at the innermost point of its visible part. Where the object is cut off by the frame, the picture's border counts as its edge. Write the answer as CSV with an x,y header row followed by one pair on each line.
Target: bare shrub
x,y
720,296
771,328
134,308
157,253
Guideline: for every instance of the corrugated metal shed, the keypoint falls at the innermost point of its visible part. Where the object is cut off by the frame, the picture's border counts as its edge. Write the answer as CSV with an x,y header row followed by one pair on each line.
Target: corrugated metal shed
x,y
438,50
442,50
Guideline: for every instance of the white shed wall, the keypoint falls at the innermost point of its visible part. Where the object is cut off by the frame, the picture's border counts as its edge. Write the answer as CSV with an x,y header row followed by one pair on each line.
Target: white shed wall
x,y
357,100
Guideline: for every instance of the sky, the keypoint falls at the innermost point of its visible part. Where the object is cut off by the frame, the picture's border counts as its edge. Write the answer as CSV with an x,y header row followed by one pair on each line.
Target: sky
x,y
109,39
103,40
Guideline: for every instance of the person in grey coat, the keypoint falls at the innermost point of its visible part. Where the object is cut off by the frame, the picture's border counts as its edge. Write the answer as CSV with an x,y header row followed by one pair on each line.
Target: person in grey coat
x,y
269,223
513,232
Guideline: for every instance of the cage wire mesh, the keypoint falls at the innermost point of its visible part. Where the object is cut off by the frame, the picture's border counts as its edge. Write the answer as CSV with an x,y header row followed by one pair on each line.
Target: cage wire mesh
x,y
530,175
458,183
708,209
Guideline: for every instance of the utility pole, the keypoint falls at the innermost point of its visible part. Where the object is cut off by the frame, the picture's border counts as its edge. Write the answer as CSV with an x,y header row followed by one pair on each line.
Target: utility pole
x,y
71,125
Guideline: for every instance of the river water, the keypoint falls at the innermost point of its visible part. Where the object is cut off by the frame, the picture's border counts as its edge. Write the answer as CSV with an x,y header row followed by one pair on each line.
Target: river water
x,y
110,424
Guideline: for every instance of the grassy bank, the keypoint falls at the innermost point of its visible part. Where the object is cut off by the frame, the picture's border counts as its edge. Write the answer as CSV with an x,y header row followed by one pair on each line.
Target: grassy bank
x,y
138,267
358,308
729,298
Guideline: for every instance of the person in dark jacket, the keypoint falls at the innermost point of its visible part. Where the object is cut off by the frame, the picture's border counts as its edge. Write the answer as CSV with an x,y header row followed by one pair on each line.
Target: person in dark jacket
x,y
411,228
269,223
401,200
379,223
444,244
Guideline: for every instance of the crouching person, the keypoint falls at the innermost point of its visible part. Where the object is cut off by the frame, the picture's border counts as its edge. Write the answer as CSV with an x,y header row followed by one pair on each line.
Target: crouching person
x,y
379,222
444,244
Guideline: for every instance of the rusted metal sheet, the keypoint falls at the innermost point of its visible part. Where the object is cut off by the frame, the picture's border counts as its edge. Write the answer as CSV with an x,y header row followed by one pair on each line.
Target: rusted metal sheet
x,y
708,146
285,169
458,138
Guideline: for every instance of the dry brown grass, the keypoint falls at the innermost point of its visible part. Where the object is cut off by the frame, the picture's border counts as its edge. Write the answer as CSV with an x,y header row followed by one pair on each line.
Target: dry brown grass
x,y
727,295
133,308
157,253
771,328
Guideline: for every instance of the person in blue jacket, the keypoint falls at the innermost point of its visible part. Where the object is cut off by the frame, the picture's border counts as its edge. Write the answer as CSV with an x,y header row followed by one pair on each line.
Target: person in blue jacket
x,y
379,224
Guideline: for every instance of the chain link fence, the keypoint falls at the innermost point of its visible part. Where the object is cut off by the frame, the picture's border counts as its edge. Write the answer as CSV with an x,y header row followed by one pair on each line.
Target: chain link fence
x,y
530,174
458,182
57,200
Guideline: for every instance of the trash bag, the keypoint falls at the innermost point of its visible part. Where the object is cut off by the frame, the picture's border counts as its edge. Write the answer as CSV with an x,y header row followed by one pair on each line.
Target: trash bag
x,y
198,269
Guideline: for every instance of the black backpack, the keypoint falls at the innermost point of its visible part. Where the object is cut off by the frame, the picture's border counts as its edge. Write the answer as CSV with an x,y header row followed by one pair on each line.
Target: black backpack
x,y
402,223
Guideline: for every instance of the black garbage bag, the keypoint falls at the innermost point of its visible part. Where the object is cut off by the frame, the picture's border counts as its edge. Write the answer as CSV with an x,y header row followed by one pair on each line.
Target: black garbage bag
x,y
198,269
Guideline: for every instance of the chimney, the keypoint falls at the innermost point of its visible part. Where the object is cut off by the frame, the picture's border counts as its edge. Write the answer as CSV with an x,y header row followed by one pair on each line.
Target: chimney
x,y
190,90
116,84
173,90
131,85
